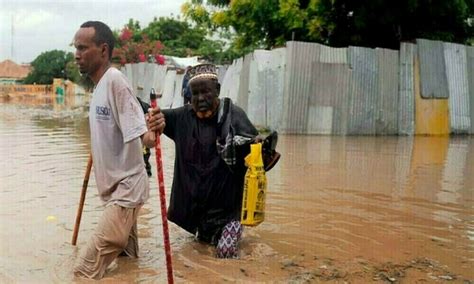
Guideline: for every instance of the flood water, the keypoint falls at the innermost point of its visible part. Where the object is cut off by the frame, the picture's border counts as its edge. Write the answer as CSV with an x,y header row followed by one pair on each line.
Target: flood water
x,y
338,209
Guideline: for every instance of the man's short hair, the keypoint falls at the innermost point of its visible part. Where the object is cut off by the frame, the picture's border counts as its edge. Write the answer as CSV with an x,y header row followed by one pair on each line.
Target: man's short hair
x,y
103,34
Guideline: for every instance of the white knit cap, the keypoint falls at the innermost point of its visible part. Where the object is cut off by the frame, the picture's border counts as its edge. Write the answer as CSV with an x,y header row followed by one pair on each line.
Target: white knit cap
x,y
202,71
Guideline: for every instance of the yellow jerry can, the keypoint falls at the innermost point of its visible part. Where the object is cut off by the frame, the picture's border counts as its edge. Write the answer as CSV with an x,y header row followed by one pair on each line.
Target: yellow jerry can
x,y
255,188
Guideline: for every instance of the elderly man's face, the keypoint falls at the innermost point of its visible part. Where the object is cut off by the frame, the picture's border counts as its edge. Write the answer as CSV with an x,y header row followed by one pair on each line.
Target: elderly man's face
x,y
204,97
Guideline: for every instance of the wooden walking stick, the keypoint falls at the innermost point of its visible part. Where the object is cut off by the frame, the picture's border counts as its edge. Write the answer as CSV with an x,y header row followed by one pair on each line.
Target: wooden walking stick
x,y
82,200
161,183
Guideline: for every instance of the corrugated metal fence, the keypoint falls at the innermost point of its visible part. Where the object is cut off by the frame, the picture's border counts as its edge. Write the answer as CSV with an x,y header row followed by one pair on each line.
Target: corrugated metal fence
x,y
470,68
406,99
309,88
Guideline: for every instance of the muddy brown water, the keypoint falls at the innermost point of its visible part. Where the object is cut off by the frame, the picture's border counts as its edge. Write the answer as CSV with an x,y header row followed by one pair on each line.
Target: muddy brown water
x,y
338,209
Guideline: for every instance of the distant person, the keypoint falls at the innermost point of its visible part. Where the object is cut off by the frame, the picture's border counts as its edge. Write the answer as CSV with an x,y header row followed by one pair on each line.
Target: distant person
x,y
60,94
212,137
185,90
118,132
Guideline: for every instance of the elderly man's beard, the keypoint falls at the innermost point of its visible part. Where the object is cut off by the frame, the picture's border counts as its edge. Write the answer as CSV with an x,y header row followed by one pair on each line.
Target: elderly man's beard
x,y
208,113
204,114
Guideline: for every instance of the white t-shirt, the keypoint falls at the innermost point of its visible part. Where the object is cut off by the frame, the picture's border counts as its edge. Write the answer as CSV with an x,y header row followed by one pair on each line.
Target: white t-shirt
x,y
116,122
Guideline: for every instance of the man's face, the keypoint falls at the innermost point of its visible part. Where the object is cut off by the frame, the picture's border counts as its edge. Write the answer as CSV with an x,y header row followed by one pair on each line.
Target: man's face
x,y
89,56
204,97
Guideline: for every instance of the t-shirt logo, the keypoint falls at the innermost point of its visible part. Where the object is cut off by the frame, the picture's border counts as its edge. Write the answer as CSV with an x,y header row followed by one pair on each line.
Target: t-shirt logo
x,y
102,112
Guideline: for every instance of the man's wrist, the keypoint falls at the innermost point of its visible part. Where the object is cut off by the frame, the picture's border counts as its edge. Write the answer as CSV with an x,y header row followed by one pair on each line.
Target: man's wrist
x,y
149,139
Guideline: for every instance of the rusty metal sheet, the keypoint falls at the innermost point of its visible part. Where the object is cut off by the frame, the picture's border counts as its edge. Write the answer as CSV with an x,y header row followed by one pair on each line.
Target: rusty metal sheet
x,y
431,115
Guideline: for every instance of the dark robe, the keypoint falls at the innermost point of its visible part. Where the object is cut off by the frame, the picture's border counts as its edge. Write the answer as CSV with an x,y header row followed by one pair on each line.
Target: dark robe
x,y
206,192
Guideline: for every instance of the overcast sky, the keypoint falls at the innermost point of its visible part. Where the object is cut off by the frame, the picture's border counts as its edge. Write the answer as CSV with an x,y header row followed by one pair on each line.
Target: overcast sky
x,y
40,26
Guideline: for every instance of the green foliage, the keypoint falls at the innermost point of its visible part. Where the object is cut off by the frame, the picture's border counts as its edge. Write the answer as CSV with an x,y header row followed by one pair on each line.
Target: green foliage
x,y
166,35
52,64
254,23
386,23
56,64
133,46
178,38
269,23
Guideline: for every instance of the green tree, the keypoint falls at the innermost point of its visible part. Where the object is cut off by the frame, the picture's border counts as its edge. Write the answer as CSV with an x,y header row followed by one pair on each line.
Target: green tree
x,y
269,23
166,35
251,24
177,37
386,23
132,47
49,65
180,39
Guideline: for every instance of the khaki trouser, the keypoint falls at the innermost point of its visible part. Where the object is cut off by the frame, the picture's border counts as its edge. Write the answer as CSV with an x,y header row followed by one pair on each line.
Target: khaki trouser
x,y
115,233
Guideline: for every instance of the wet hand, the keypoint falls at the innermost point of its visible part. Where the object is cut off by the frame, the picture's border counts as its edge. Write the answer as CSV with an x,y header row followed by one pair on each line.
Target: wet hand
x,y
155,120
259,139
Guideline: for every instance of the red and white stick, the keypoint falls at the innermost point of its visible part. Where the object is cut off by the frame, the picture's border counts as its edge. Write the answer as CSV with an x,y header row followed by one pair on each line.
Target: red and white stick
x,y
161,184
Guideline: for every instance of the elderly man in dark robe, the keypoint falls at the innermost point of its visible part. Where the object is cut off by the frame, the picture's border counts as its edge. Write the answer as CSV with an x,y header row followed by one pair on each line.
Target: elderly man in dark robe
x,y
212,137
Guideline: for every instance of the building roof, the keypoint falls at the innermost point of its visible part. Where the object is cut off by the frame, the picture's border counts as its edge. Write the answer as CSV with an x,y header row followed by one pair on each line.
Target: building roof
x,y
9,69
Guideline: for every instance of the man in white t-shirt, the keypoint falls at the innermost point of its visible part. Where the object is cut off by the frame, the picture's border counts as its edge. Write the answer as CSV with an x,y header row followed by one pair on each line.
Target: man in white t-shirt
x,y
118,133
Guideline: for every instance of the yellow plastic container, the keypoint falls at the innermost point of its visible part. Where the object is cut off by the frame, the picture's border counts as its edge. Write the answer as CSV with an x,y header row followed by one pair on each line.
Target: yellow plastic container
x,y
255,188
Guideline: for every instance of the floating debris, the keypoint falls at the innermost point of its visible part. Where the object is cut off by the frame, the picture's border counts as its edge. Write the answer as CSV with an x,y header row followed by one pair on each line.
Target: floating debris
x,y
51,218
